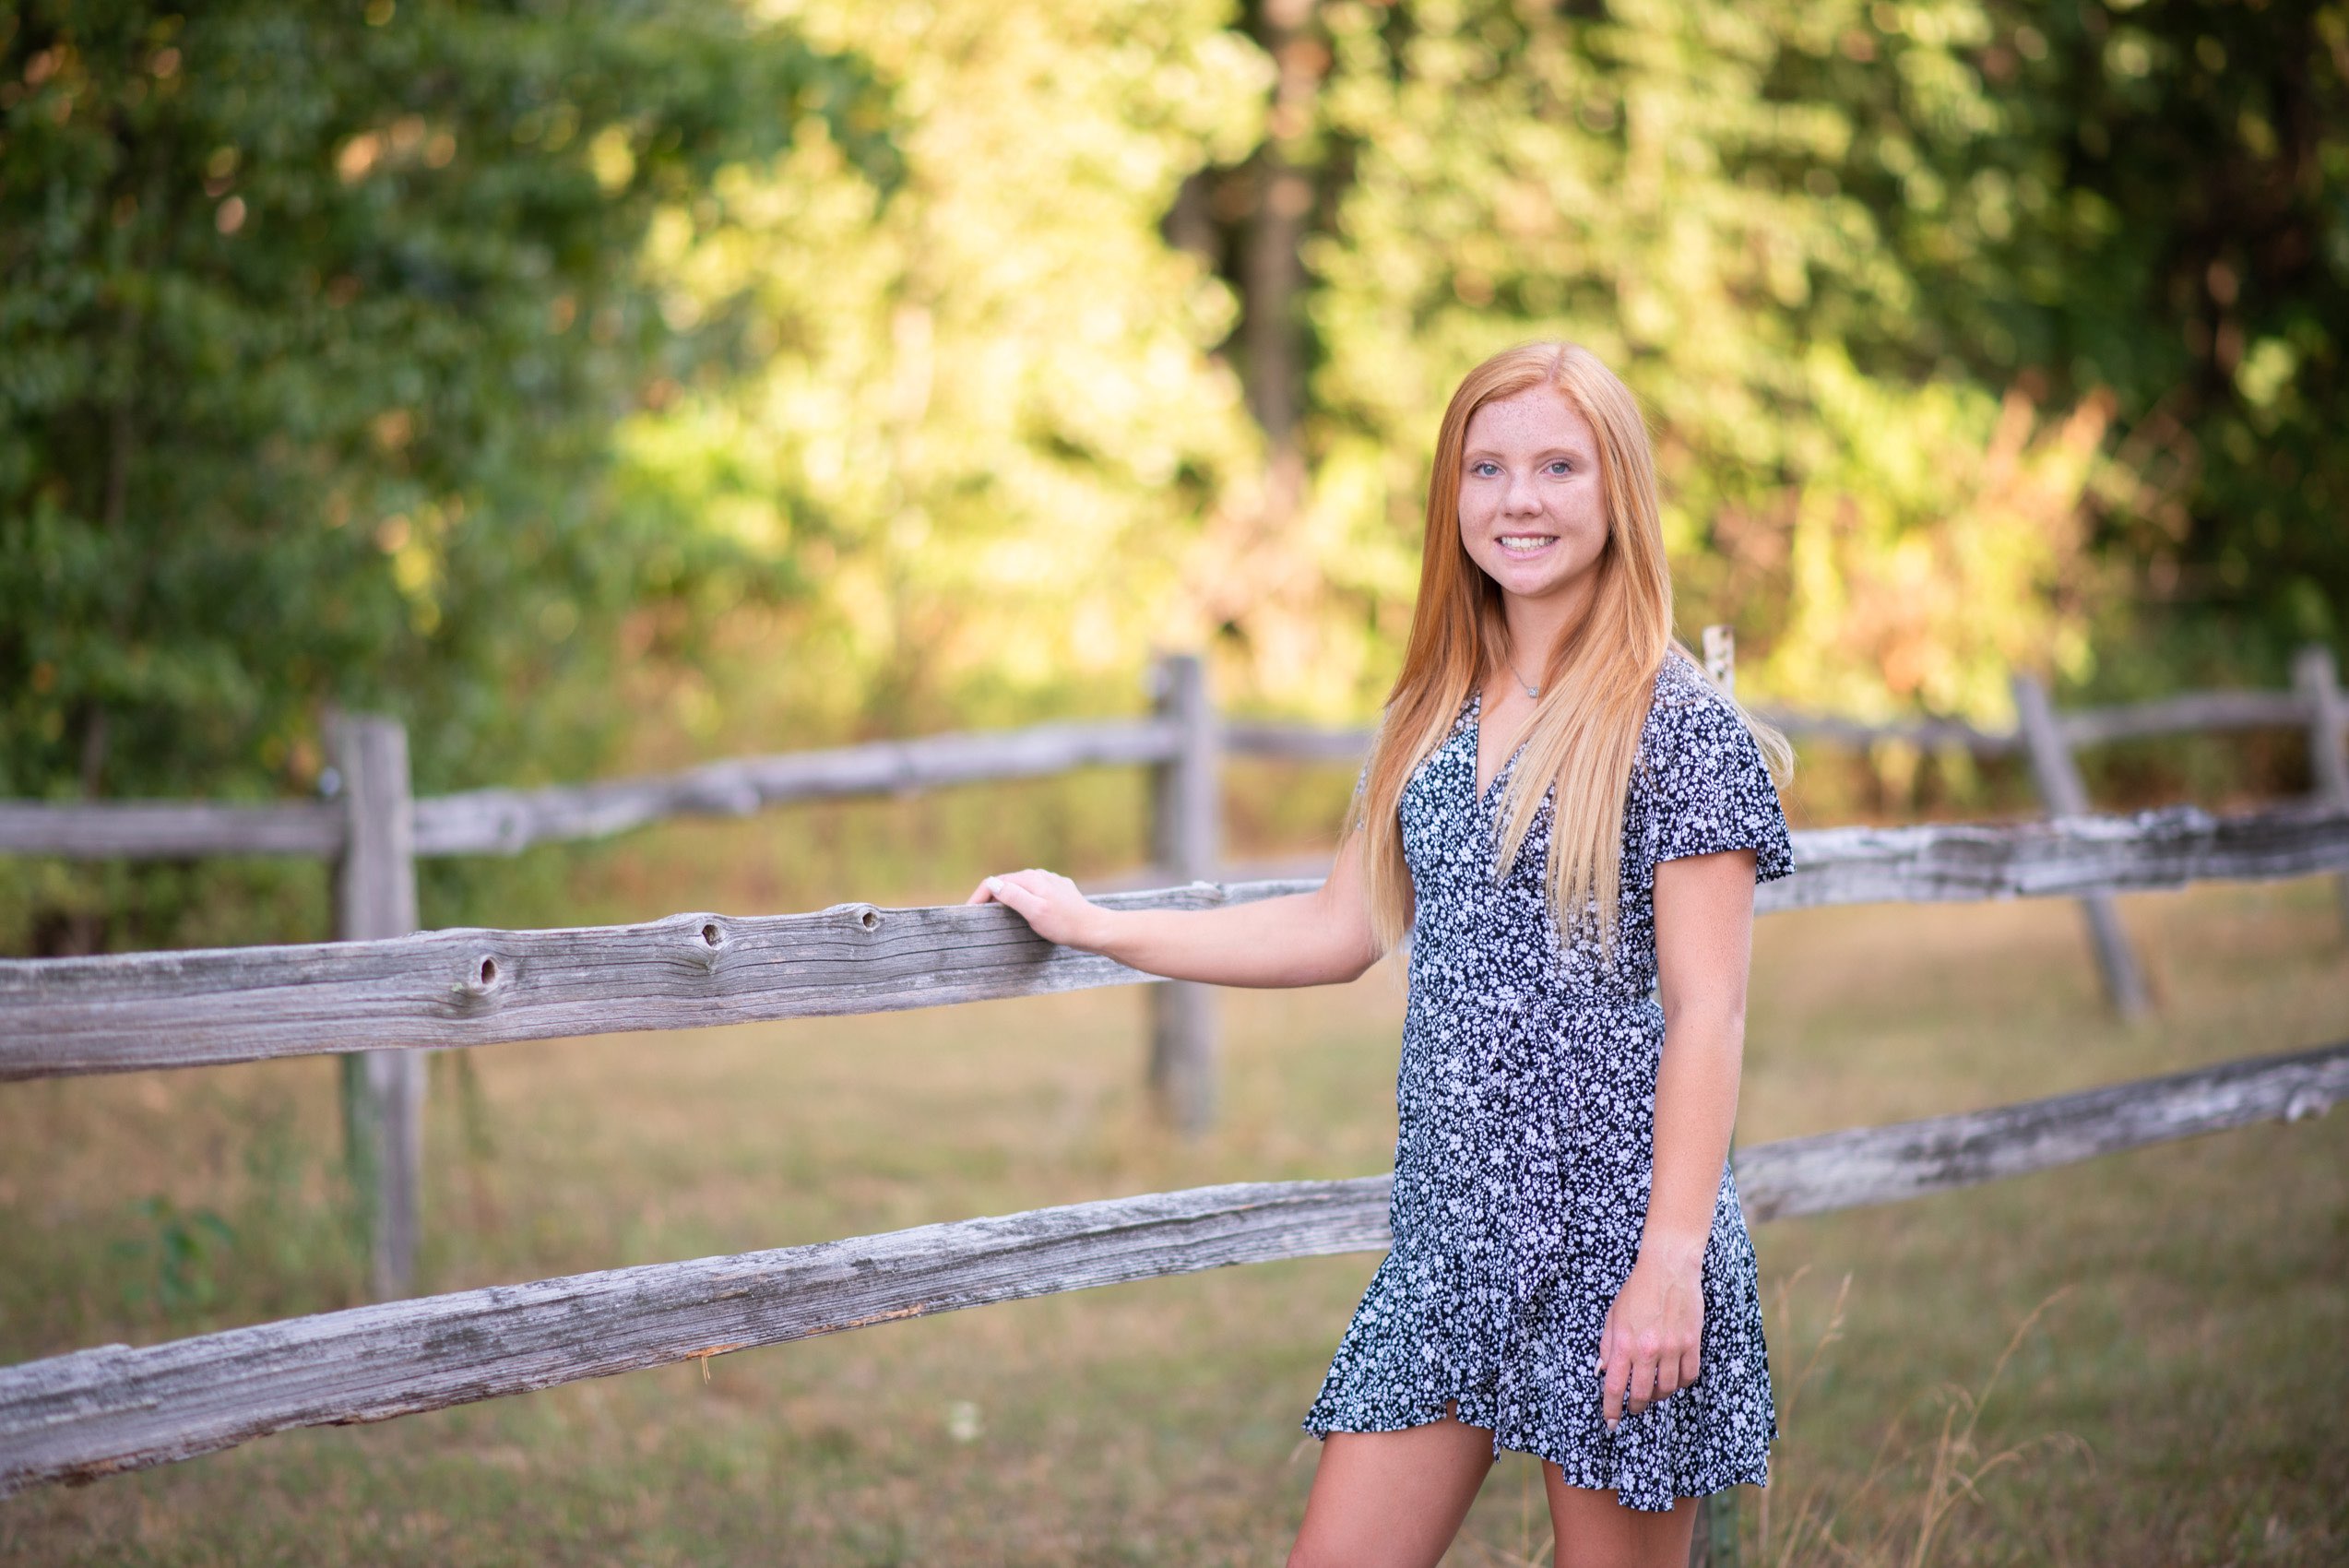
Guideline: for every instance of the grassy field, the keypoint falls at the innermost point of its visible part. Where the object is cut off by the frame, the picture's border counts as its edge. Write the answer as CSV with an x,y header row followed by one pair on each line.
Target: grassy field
x,y
2182,1396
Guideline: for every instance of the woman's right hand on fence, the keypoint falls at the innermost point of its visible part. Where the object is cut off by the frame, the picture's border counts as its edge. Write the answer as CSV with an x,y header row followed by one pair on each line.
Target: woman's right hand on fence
x,y
1315,938
1049,903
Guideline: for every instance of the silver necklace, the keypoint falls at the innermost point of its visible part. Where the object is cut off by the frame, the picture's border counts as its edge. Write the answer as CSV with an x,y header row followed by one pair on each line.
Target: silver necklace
x,y
1529,691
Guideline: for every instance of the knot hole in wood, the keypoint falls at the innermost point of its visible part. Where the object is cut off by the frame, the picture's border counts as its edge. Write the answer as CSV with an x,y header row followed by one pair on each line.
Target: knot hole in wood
x,y
711,934
477,979
870,919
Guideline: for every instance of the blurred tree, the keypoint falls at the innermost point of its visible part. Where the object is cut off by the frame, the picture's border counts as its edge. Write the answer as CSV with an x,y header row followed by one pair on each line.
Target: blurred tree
x,y
1967,324
2150,197
986,406
1639,177
314,322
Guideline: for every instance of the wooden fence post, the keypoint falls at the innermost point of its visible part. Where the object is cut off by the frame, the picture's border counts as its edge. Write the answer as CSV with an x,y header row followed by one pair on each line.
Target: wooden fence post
x,y
1721,659
2058,781
383,1091
1715,1542
2316,678
1186,822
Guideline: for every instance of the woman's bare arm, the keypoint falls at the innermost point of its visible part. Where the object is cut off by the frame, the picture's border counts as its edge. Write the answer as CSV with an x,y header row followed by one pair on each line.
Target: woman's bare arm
x,y
1703,948
1317,938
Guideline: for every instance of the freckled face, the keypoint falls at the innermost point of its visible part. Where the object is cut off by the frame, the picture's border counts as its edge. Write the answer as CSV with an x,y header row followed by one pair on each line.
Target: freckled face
x,y
1532,511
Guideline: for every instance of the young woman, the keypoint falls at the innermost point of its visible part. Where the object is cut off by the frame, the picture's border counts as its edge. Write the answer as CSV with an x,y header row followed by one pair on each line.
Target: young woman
x,y
1568,819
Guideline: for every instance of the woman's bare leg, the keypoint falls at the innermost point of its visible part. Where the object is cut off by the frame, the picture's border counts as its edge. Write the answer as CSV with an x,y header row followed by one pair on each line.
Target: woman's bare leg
x,y
1393,1498
1595,1531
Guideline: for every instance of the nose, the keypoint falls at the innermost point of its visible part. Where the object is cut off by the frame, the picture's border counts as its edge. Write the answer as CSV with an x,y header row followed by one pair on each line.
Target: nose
x,y
1521,499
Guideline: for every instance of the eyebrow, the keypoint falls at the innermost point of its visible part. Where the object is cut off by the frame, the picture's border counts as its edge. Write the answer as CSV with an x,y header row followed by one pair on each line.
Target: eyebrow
x,y
1475,452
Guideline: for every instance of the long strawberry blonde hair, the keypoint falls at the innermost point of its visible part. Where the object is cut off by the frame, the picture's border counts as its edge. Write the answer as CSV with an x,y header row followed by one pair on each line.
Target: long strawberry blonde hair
x,y
1585,733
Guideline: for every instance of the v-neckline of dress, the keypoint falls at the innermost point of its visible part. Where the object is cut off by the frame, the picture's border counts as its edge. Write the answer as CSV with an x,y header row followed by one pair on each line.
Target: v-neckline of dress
x,y
1477,746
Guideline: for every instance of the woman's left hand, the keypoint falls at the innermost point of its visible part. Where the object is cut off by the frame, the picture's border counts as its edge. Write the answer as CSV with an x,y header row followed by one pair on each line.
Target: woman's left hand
x,y
1648,1348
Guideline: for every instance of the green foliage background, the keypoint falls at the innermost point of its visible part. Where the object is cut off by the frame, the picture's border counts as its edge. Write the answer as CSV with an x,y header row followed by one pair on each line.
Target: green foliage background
x,y
606,385
315,329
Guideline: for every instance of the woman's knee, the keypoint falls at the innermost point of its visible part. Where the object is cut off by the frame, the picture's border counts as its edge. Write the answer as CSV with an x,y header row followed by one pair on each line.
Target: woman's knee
x,y
1392,1499
1594,1530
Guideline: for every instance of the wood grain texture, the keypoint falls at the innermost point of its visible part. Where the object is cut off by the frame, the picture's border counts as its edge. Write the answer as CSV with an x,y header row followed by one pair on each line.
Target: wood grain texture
x,y
95,1412
1938,862
130,1011
1860,1165
472,987
501,822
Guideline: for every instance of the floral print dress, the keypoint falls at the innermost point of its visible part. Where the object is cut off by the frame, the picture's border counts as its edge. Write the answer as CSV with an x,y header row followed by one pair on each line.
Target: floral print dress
x,y
1527,1112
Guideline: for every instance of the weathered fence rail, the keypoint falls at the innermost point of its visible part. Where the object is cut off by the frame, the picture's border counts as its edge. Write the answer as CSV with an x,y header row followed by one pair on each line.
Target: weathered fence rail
x,y
131,1010
501,822
2066,858
2312,702
97,1413
2189,713
504,822
2194,713
466,987
97,830
1856,1167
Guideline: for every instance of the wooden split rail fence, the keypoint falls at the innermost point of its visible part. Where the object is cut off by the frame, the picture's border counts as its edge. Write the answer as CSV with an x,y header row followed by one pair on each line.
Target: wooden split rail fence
x,y
373,830
380,1001
95,1412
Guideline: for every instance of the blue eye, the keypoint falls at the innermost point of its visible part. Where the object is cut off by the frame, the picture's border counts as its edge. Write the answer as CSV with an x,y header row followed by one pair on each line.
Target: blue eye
x,y
1560,466
1484,469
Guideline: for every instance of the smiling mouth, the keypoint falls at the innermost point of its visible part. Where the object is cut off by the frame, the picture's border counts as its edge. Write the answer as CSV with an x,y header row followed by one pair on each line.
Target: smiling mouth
x,y
1527,543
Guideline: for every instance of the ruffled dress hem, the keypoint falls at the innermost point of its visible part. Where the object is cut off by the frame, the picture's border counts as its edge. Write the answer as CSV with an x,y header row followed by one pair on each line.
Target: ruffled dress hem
x,y
1647,1492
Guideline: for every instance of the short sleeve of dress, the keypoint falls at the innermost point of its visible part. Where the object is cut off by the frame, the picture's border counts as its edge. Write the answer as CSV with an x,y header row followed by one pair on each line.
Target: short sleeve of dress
x,y
1710,790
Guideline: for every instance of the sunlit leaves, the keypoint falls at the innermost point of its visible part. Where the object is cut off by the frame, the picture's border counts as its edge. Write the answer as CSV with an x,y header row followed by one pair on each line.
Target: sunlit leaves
x,y
314,326
981,413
